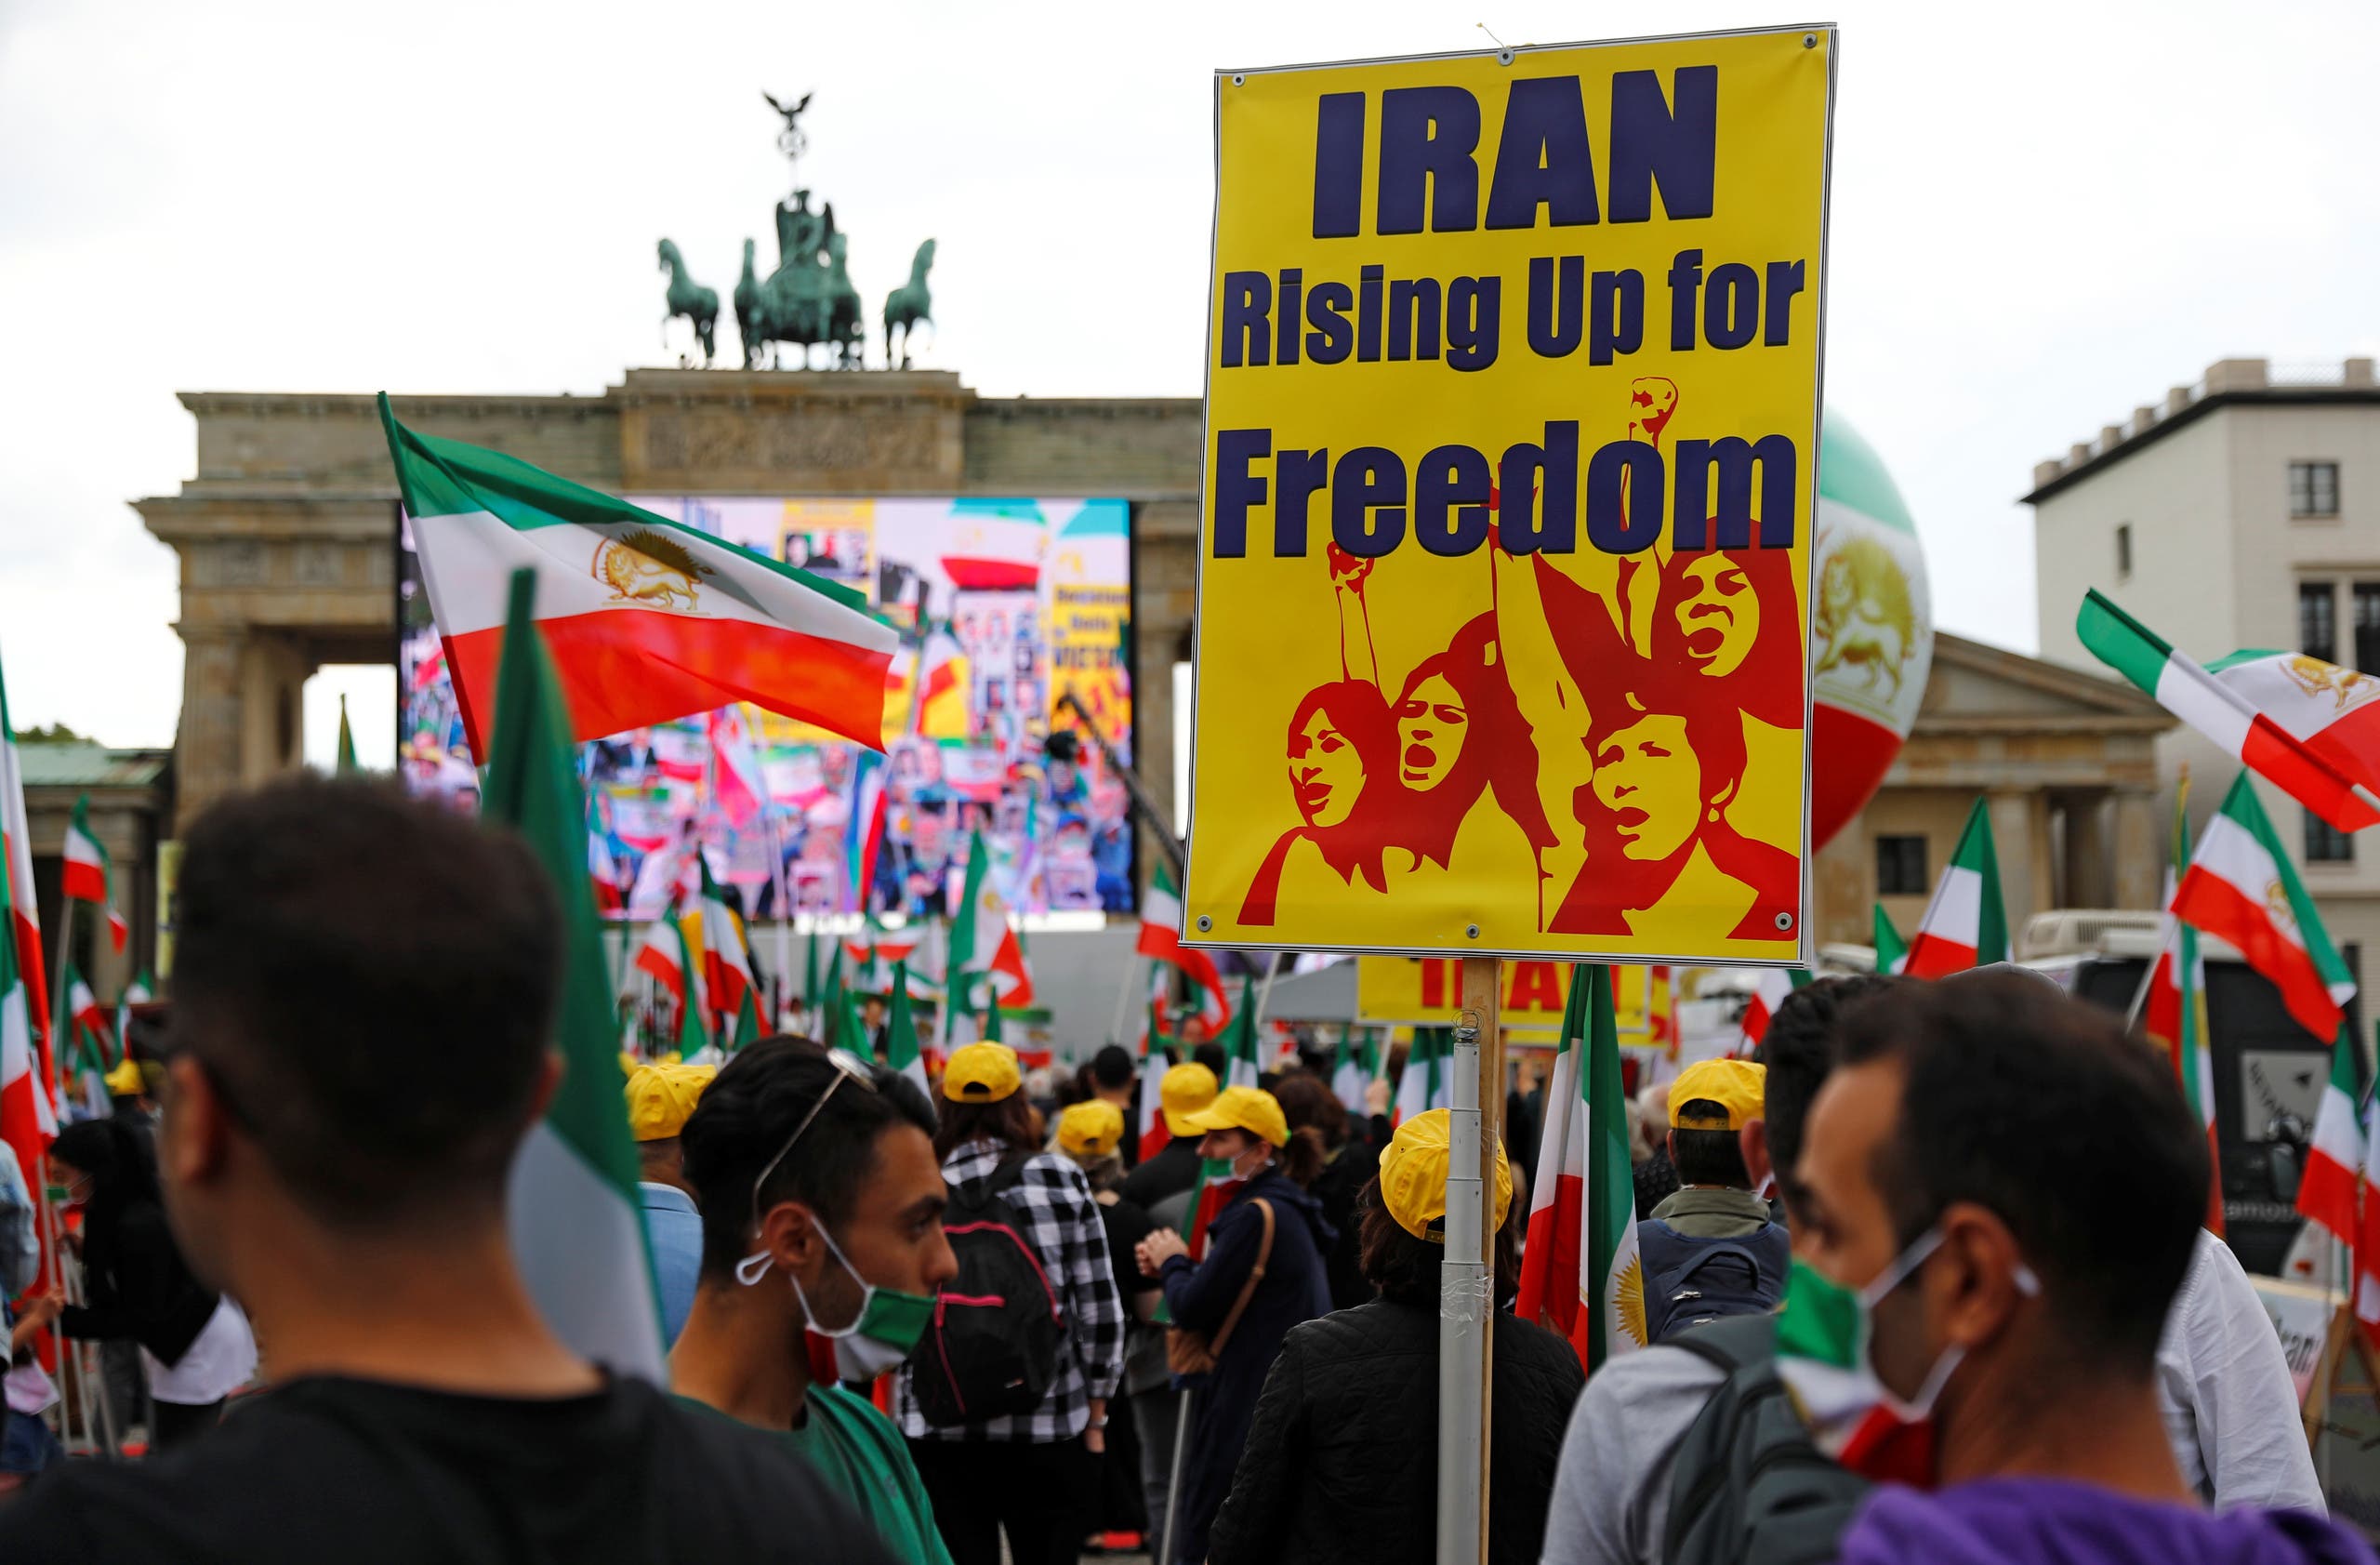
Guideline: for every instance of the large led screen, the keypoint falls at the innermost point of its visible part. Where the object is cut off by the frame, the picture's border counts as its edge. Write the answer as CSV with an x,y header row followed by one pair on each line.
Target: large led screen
x,y
1006,607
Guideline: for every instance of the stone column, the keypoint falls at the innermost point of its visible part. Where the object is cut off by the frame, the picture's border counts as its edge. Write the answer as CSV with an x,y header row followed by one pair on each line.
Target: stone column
x,y
2138,866
2088,881
272,721
2020,837
209,750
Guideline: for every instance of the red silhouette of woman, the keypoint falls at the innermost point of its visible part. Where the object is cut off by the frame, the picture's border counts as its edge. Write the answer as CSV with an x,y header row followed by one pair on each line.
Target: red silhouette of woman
x,y
1731,618
1459,734
1342,756
1667,761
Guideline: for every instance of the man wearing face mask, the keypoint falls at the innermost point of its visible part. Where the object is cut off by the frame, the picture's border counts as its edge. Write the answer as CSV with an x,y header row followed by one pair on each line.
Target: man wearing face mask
x,y
2001,1194
822,1224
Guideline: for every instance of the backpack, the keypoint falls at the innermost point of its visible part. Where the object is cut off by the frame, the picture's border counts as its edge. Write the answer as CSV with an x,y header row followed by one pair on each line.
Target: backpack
x,y
991,1350
1748,1486
1693,1281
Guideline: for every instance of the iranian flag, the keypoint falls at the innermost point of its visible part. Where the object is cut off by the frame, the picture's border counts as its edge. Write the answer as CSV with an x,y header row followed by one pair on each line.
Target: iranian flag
x,y
2300,723
726,964
938,666
604,871
83,1007
27,1124
869,811
2326,1191
1357,1067
647,620
24,917
1965,925
981,942
2241,888
1580,1275
1892,952
1424,1084
577,1218
84,876
1150,1133
2174,1015
740,786
2367,1231
140,991
1241,1064
1775,983
903,1051
1162,940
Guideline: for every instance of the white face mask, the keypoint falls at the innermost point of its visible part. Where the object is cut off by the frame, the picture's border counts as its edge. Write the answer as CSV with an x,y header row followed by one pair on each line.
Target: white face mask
x,y
1919,1406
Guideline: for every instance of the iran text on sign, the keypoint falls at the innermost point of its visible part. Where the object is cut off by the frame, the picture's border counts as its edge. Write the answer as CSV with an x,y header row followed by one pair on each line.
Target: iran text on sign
x,y
1509,473
1426,991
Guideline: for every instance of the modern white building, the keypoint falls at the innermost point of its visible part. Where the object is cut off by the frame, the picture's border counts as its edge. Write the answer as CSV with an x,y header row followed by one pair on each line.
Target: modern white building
x,y
2241,512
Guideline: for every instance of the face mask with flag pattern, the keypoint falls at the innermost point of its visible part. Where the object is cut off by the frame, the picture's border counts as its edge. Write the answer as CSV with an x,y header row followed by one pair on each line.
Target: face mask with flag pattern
x,y
1825,1357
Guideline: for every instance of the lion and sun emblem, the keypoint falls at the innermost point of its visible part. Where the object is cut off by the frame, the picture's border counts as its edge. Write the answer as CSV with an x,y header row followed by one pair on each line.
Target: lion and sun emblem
x,y
648,567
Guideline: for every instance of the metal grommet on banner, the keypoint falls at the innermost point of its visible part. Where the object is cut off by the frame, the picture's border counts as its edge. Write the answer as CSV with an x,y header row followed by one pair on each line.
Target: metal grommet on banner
x,y
1239,80
1205,923
1471,930
1503,57
1784,920
1809,40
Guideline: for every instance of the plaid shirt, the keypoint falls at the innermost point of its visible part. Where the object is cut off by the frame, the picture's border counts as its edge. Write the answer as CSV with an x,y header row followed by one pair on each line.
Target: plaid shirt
x,y
1062,1224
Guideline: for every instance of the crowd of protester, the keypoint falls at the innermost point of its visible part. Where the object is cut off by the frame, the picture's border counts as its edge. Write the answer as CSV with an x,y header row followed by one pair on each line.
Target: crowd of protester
x,y
1923,1280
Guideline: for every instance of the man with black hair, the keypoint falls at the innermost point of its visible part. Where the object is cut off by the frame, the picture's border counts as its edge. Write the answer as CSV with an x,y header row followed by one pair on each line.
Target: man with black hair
x,y
822,1213
327,1160
2001,1194
1612,1497
1115,1079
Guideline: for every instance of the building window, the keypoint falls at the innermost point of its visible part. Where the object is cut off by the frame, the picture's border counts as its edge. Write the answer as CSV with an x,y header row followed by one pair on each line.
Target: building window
x,y
2313,488
1900,866
2367,626
2326,843
2123,551
2317,621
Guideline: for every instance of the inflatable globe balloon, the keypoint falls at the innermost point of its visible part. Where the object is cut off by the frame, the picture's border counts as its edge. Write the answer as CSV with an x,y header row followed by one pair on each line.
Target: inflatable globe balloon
x,y
1871,628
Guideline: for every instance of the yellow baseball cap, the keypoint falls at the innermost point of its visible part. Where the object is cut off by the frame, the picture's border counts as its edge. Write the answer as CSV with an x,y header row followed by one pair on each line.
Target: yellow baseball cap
x,y
1738,1086
662,1098
981,1073
1184,1091
1090,1129
1413,1177
124,1079
1244,1108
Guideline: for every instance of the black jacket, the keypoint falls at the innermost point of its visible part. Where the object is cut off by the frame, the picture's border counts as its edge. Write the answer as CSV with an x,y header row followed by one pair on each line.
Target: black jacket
x,y
1198,1297
1341,1461
1353,1166
1172,1171
138,1284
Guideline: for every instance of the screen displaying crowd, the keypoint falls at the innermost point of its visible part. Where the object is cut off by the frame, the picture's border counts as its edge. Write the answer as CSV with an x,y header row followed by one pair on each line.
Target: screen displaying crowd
x,y
1007,607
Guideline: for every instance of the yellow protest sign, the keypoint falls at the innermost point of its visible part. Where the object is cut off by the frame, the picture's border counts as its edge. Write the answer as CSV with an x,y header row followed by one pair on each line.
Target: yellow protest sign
x,y
1425,991
1511,477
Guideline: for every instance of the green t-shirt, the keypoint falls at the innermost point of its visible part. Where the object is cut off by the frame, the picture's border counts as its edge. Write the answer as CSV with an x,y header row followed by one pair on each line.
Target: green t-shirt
x,y
862,1458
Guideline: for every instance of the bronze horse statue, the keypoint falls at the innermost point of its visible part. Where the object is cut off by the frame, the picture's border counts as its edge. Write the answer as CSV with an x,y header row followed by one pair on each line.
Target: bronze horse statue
x,y
697,304
905,306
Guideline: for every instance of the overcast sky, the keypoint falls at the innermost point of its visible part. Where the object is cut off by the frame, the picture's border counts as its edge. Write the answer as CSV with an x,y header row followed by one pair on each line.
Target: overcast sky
x,y
2043,215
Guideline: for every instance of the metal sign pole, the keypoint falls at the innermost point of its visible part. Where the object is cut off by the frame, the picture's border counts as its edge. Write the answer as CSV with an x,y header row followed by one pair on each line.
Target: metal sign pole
x,y
1467,1282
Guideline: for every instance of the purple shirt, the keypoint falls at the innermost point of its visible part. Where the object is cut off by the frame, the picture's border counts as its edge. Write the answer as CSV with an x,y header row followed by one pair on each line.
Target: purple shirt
x,y
2050,1522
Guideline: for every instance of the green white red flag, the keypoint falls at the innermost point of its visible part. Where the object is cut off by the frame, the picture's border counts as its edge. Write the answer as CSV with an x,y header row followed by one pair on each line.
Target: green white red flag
x,y
647,619
727,964
2366,1248
24,914
903,1050
2173,1015
1775,983
1242,1066
1424,1084
1160,940
1579,1274
1150,1132
2298,722
1356,1068
1892,951
576,1218
83,873
2240,887
982,943
1965,925
2326,1190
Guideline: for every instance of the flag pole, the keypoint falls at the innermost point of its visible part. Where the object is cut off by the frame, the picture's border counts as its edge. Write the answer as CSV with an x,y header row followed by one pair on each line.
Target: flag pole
x,y
1124,998
1467,1284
